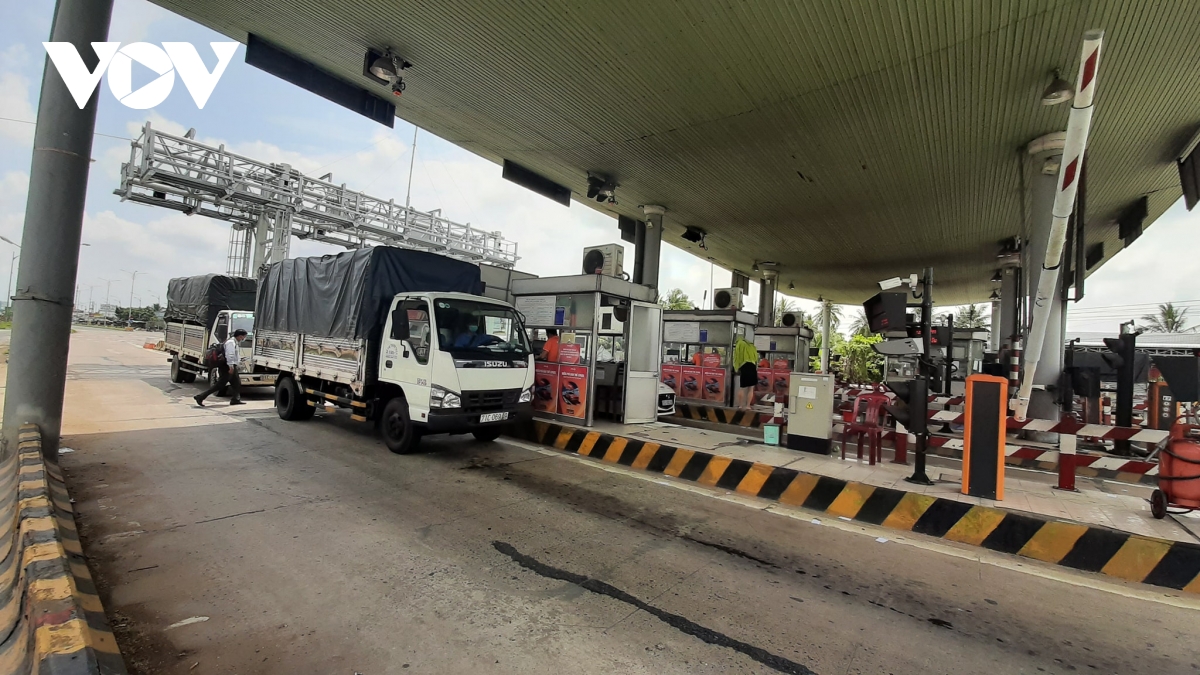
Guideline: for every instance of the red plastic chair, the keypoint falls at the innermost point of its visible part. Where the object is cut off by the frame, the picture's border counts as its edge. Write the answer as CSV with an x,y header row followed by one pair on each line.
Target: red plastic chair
x,y
866,419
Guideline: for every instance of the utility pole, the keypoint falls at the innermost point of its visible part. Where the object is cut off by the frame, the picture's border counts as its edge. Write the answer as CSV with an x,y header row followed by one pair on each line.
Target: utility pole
x,y
108,290
411,160
58,177
129,309
12,266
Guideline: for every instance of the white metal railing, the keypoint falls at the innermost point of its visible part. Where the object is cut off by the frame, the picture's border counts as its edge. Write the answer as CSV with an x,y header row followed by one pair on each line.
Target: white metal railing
x,y
178,173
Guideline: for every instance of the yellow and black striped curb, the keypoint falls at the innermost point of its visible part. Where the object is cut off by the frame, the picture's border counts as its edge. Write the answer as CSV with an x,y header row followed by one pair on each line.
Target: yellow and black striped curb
x,y
50,612
1131,557
737,417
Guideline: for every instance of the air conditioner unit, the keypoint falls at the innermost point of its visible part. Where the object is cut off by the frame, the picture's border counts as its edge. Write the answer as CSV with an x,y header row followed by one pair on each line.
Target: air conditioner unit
x,y
728,298
608,259
789,319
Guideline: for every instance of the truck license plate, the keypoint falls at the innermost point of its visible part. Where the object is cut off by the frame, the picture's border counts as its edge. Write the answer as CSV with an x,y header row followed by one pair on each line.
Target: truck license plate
x,y
493,417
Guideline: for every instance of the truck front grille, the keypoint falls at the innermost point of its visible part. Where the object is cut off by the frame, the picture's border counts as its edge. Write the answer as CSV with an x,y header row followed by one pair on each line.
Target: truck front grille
x,y
488,401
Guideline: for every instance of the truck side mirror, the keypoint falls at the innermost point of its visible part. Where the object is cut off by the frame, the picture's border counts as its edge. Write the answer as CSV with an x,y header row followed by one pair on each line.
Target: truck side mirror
x,y
399,324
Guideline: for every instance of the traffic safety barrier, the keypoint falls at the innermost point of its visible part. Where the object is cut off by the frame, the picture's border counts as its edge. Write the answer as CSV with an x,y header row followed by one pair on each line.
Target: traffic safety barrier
x,y
720,415
50,615
1126,556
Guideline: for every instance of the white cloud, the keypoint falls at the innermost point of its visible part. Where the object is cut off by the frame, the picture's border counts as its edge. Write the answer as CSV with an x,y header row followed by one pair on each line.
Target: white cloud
x,y
16,103
1158,267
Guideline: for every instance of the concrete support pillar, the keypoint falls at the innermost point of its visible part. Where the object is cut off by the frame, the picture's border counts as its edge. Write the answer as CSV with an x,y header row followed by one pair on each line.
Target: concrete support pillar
x,y
654,225
1008,324
825,319
766,298
62,152
994,340
261,237
1044,155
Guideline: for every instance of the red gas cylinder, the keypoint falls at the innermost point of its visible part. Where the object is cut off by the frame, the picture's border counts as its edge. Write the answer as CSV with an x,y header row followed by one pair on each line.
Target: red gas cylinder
x,y
1178,471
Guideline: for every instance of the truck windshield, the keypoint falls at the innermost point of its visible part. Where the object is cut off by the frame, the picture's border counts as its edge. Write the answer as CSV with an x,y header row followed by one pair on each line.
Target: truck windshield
x,y
479,328
245,321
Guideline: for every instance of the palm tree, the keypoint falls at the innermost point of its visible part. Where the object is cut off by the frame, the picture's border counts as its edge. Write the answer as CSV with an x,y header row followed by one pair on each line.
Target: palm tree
x,y
860,326
784,305
676,299
1168,320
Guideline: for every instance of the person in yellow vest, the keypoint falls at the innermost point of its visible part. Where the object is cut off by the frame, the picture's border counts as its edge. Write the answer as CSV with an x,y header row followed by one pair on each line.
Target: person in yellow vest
x,y
745,364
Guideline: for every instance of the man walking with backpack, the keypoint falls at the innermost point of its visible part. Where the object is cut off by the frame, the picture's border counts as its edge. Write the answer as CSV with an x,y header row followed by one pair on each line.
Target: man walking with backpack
x,y
228,372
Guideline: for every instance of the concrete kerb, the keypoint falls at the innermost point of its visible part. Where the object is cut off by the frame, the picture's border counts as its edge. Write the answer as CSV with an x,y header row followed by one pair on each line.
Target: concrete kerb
x,y
1126,556
51,618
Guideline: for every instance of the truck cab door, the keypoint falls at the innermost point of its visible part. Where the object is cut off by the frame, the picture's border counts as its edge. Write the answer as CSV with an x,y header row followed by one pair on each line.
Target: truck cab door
x,y
405,359
220,332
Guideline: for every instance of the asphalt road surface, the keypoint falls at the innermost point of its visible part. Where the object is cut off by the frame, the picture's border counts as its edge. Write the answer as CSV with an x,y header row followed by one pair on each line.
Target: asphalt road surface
x,y
225,540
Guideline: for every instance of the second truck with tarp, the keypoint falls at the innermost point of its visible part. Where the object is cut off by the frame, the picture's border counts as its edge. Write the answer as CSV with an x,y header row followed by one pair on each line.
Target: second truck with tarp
x,y
402,338
205,310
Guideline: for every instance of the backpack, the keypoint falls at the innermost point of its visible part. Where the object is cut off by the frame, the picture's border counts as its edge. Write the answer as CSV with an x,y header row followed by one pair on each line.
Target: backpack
x,y
215,356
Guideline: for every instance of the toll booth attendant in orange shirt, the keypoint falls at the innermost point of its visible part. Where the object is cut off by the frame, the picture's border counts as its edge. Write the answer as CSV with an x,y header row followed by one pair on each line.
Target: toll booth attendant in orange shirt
x,y
697,358
550,349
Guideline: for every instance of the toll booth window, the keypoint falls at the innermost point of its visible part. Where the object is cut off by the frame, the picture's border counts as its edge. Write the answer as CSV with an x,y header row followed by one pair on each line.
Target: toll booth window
x,y
418,329
610,348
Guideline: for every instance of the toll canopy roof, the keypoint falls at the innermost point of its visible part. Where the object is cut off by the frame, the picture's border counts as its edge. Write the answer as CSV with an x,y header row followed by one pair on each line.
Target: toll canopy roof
x,y
846,141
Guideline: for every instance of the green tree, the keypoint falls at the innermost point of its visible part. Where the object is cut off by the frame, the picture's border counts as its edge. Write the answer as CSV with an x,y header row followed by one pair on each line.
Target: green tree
x,y
676,299
1170,319
967,316
860,363
860,326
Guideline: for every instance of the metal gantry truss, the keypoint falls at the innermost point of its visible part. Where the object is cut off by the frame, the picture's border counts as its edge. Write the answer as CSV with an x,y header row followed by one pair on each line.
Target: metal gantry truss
x,y
267,204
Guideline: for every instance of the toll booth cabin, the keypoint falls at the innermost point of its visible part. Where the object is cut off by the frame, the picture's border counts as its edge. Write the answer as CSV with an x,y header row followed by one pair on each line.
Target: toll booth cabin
x,y
609,347
697,361
782,350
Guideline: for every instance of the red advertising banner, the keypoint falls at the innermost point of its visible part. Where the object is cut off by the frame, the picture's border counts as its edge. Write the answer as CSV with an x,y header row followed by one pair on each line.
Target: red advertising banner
x,y
711,360
714,384
781,364
572,398
763,386
672,373
545,387
692,383
568,353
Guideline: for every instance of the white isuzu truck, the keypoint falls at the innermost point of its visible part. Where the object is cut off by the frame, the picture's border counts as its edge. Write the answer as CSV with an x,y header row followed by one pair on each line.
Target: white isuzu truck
x,y
402,338
205,310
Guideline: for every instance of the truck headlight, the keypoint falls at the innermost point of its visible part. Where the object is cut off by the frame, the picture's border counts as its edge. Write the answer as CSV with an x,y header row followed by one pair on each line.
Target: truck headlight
x,y
526,396
440,397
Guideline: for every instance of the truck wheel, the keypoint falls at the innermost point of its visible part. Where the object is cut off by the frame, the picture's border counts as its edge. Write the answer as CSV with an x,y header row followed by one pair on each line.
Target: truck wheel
x,y
214,376
486,434
290,402
399,434
177,373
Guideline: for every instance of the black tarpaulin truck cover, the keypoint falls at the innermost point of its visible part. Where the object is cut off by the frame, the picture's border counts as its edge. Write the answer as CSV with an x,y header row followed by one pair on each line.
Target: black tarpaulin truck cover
x,y
348,295
199,299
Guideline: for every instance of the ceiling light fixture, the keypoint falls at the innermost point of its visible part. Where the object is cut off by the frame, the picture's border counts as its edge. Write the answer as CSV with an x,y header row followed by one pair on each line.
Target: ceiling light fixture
x,y
995,295
998,277
791,286
388,68
1058,91
754,267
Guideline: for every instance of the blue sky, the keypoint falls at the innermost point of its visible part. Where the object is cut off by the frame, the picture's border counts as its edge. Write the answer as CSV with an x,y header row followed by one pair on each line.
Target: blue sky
x,y
261,117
